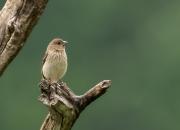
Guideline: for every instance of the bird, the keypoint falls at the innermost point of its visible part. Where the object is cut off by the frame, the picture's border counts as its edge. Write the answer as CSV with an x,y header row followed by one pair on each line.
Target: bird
x,y
55,61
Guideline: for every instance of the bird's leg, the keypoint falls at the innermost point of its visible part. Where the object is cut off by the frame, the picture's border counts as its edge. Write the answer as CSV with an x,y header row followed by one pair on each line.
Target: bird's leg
x,y
44,85
45,88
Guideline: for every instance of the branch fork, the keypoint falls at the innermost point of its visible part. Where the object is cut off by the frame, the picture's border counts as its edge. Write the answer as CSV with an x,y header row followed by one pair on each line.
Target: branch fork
x,y
65,106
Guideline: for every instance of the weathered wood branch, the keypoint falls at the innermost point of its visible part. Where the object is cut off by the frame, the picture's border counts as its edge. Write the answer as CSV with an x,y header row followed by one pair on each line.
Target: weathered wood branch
x,y
17,18
64,106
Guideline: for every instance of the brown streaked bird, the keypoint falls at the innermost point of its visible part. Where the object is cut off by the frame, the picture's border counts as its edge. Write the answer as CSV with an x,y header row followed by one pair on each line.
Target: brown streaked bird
x,y
55,61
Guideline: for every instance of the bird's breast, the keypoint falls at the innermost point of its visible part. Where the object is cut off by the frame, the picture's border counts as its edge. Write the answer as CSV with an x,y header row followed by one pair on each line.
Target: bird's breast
x,y
55,67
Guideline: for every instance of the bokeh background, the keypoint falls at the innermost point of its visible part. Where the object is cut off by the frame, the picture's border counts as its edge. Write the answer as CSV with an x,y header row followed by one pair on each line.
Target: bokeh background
x,y
136,44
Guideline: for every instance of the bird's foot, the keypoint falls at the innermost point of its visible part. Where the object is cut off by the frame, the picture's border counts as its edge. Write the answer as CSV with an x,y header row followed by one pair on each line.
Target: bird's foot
x,y
44,84
61,83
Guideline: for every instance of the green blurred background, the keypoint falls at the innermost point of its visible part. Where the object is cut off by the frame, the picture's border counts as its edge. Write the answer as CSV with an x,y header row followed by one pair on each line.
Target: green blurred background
x,y
133,43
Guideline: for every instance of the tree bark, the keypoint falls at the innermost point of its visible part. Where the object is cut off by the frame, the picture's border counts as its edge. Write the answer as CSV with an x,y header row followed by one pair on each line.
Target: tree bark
x,y
17,19
64,106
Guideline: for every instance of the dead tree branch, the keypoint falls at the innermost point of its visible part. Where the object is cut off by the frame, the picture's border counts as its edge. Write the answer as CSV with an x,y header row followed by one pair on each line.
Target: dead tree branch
x,y
17,19
64,106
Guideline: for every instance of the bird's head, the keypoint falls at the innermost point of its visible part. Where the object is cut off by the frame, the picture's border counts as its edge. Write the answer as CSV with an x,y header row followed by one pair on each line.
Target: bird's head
x,y
58,44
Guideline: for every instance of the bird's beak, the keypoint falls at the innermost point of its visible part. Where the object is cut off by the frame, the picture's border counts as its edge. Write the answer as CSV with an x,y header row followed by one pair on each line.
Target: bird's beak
x,y
65,42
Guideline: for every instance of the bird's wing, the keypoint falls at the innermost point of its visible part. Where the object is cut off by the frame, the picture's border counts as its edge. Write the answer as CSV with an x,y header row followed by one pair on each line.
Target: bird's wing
x,y
44,58
43,61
